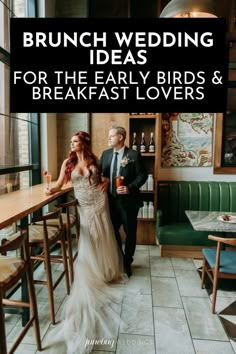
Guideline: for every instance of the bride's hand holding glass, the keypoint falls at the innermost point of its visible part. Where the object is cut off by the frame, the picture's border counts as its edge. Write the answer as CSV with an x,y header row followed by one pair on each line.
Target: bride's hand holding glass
x,y
48,179
48,191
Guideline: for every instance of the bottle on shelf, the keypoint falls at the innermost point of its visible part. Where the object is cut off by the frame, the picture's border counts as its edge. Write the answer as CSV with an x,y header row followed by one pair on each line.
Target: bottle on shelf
x,y
150,210
150,183
134,143
151,147
145,210
142,144
140,213
144,186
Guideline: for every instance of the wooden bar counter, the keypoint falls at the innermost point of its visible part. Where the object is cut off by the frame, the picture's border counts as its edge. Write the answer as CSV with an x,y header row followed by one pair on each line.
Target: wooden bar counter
x,y
19,204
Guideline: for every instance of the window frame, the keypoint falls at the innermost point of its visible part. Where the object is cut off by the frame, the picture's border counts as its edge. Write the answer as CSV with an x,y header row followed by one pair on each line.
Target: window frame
x,y
221,118
34,119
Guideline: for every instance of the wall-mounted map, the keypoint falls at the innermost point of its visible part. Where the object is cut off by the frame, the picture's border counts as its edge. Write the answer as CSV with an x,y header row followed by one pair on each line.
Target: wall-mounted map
x,y
187,139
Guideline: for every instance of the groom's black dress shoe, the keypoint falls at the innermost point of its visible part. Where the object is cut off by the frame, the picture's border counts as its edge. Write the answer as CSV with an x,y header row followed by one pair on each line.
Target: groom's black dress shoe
x,y
128,270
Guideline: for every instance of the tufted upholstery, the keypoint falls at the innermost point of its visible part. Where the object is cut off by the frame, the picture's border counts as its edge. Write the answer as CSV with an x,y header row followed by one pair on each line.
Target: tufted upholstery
x,y
174,197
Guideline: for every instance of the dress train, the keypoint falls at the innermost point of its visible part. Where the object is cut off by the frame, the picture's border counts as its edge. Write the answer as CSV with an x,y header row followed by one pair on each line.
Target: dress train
x,y
91,314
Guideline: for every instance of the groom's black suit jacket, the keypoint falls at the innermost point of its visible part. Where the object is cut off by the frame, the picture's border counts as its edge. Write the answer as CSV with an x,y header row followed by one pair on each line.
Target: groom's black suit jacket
x,y
134,173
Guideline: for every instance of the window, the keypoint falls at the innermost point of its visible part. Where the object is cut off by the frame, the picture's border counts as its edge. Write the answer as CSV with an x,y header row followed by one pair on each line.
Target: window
x,y
19,133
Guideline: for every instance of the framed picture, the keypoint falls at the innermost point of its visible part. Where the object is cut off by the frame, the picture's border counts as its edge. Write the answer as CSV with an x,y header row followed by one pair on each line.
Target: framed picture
x,y
187,139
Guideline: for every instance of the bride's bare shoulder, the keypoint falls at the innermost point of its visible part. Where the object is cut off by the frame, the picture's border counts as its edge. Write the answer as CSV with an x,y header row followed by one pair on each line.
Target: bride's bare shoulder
x,y
65,161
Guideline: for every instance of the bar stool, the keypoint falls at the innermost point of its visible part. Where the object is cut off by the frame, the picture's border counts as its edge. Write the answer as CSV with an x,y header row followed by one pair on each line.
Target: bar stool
x,y
45,237
11,271
70,218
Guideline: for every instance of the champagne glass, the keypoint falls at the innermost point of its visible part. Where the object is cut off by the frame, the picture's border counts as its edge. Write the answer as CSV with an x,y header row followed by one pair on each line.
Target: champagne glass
x,y
48,178
119,181
9,187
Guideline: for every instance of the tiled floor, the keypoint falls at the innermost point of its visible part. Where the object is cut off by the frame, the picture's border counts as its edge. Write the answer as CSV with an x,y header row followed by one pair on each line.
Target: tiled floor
x,y
164,311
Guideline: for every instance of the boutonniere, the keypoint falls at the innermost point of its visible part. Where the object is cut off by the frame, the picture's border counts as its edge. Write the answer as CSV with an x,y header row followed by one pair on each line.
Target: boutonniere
x,y
125,161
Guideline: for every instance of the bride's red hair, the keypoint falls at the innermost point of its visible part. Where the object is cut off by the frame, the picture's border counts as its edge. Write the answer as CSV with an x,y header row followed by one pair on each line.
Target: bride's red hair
x,y
89,157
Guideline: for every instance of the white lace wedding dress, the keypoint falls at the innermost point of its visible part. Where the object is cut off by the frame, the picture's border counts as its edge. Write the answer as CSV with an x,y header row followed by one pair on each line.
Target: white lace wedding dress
x,y
93,304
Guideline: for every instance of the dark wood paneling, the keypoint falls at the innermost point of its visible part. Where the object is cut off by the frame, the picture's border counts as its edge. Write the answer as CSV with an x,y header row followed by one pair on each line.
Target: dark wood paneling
x,y
144,8
108,8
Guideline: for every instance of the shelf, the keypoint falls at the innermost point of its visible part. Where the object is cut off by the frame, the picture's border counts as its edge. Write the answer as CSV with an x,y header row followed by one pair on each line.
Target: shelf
x,y
146,219
148,154
147,192
143,116
147,124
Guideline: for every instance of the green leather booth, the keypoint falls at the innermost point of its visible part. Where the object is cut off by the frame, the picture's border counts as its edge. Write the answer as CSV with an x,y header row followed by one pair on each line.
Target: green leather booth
x,y
174,232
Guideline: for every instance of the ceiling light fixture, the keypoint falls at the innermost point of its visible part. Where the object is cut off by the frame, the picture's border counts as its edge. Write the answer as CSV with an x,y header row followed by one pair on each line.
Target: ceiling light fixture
x,y
189,8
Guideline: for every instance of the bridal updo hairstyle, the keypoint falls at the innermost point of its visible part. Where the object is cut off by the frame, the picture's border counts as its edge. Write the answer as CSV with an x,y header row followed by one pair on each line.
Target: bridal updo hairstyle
x,y
89,157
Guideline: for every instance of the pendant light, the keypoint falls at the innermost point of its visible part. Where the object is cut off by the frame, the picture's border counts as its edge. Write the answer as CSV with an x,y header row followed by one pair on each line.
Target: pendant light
x,y
189,8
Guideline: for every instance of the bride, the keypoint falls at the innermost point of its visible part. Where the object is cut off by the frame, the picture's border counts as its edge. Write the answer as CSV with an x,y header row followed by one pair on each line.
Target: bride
x,y
95,296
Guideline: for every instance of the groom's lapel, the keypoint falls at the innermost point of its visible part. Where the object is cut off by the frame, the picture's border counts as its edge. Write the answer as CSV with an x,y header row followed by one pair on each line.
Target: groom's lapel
x,y
121,170
109,158
125,152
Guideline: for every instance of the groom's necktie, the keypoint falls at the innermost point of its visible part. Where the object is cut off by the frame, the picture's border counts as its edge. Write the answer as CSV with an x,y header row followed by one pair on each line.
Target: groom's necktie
x,y
114,174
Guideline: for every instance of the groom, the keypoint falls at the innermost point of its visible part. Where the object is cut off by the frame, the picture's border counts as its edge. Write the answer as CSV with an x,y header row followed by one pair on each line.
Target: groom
x,y
125,200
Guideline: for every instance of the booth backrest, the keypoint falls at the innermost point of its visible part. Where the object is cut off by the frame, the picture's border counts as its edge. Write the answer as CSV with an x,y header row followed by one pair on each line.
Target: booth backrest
x,y
174,197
